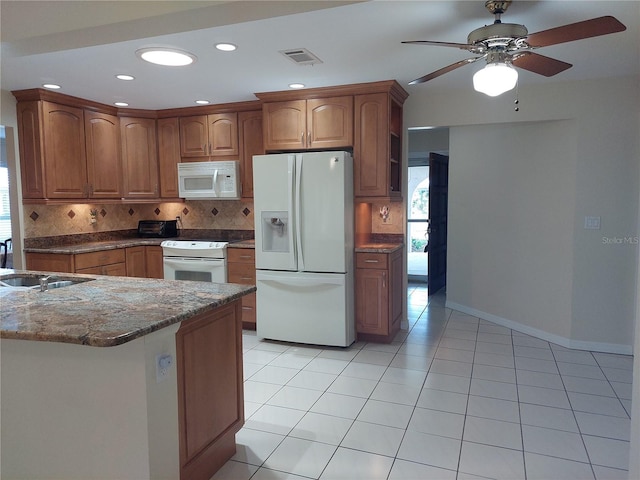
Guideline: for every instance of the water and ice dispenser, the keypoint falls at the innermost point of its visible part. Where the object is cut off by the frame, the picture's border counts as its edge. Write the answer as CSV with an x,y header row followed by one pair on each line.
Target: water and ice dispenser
x,y
275,231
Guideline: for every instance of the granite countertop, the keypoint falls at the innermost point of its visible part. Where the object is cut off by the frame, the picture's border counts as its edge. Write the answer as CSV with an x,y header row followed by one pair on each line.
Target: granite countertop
x,y
106,311
378,247
87,247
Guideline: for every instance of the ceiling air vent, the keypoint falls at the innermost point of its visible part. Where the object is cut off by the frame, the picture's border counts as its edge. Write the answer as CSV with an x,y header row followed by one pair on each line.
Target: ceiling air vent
x,y
301,56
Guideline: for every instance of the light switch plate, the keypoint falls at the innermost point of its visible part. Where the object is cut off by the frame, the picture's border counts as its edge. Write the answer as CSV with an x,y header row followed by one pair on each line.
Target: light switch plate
x,y
591,223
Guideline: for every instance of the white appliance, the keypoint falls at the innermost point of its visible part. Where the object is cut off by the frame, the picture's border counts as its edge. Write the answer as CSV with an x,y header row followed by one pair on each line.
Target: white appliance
x,y
209,180
195,260
304,230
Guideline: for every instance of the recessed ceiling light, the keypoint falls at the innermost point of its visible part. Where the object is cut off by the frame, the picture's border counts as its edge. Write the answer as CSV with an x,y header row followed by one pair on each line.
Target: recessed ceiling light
x,y
121,104
296,85
202,102
52,86
226,47
125,77
170,57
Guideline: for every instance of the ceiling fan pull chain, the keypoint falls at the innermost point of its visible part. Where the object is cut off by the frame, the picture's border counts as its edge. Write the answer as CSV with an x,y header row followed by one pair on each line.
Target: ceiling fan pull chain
x,y
517,102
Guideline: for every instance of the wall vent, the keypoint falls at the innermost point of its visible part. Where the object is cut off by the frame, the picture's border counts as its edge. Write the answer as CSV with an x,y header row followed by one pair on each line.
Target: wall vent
x,y
301,56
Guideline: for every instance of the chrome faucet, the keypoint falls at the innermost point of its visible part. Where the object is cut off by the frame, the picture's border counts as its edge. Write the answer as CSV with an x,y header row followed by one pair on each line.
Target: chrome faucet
x,y
44,283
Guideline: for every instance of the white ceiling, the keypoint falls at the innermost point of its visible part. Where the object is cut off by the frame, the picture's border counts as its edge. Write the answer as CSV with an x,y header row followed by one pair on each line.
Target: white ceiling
x,y
82,45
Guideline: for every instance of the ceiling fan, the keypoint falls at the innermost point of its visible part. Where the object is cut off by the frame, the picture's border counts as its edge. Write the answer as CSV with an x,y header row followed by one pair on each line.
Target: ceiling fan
x,y
505,45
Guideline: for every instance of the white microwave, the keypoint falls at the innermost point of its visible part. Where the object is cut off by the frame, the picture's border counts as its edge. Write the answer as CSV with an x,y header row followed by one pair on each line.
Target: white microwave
x,y
209,180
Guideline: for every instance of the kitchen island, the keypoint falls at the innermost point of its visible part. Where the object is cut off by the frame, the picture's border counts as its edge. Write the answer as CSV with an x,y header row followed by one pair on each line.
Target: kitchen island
x,y
119,377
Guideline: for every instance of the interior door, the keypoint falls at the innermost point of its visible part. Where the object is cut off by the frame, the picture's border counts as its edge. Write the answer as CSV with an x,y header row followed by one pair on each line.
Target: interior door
x,y
438,201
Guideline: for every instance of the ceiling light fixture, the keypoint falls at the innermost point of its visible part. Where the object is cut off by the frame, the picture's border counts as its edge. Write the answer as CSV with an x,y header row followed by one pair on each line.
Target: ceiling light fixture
x,y
497,77
121,104
226,47
169,57
202,102
51,86
296,85
125,77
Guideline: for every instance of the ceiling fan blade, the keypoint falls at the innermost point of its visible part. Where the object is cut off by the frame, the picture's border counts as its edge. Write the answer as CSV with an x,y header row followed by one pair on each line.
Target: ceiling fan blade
x,y
576,31
540,64
462,46
444,70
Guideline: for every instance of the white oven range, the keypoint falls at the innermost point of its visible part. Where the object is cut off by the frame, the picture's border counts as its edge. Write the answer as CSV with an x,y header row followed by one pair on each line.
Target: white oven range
x,y
198,260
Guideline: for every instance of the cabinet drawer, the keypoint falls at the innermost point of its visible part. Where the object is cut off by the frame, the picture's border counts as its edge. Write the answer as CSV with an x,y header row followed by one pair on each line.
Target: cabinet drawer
x,y
372,260
249,311
241,273
95,259
113,269
241,255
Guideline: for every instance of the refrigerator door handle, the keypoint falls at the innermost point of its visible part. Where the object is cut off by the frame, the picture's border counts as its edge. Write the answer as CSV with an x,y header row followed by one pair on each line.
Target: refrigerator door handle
x,y
298,207
300,282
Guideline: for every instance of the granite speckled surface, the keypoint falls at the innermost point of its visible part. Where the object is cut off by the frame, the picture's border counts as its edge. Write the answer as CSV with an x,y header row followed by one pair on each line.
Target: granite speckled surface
x,y
106,311
242,244
378,247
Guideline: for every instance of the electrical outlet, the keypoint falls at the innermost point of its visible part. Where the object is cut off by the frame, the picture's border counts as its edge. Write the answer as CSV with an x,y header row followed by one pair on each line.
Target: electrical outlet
x,y
164,361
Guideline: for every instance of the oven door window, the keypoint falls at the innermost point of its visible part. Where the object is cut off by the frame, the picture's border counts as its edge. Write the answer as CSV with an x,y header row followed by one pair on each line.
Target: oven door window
x,y
197,276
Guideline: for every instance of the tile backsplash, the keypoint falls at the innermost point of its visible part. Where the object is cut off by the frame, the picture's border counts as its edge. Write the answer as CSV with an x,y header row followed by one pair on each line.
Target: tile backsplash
x,y
69,219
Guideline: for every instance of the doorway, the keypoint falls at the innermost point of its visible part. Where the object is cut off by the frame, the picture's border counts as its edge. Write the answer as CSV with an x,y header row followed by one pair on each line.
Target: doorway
x,y
6,251
426,261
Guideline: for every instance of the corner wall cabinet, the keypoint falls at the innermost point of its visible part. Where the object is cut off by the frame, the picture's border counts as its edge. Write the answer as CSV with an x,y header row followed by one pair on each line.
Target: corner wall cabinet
x,y
139,157
168,156
379,296
251,143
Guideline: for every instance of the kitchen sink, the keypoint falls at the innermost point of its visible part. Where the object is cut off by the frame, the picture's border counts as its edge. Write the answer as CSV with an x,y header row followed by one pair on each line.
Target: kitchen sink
x,y
31,281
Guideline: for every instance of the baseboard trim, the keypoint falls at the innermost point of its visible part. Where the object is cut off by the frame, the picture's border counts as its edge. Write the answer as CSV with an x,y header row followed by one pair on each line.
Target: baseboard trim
x,y
541,334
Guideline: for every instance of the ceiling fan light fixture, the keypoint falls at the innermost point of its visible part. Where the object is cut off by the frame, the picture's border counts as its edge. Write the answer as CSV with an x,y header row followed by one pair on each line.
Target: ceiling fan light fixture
x,y
495,79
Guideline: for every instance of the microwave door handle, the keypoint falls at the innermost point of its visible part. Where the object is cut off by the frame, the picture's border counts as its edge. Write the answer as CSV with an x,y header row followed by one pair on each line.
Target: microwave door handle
x,y
215,183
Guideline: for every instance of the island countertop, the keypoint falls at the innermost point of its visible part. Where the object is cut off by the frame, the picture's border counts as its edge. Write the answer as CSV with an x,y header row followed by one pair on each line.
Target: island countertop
x,y
106,311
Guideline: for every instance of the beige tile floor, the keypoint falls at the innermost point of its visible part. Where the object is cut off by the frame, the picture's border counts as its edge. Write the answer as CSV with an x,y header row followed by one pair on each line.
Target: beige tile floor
x,y
454,397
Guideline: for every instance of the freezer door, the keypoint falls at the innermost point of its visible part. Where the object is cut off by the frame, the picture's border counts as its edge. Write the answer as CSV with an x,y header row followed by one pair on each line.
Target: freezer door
x,y
324,217
273,196
307,308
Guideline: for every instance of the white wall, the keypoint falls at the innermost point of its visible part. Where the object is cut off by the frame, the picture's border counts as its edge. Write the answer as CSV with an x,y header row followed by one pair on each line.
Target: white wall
x,y
571,151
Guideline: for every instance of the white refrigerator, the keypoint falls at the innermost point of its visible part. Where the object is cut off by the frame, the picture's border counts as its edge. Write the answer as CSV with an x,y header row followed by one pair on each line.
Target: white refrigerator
x,y
304,235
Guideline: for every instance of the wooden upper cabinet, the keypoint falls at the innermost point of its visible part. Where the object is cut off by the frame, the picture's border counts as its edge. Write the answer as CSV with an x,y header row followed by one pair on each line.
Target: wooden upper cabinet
x,y
371,145
211,135
168,156
223,134
318,123
139,157
285,125
194,137
104,164
30,144
330,122
251,143
64,151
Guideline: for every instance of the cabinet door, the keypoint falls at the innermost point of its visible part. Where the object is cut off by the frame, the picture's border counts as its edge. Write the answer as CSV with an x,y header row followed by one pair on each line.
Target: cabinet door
x,y
194,139
251,143
372,301
396,290
330,122
223,134
153,259
136,262
371,145
285,125
64,151
168,156
139,157
104,165
30,145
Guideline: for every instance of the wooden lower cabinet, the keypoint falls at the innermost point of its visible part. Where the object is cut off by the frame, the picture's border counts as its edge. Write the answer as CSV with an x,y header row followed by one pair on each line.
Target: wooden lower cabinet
x,y
210,390
241,268
144,261
140,261
379,299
